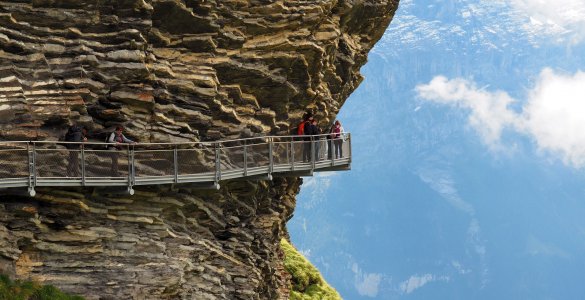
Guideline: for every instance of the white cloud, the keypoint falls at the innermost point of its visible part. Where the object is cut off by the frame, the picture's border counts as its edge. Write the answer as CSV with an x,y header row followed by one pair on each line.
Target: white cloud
x,y
536,247
459,267
367,284
554,17
416,282
442,183
317,186
553,115
490,112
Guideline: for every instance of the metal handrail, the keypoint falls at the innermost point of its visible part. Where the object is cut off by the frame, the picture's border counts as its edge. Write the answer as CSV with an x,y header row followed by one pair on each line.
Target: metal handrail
x,y
54,163
293,137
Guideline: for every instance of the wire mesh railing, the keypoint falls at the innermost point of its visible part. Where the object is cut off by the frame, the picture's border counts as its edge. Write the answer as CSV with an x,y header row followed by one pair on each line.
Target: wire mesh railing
x,y
40,163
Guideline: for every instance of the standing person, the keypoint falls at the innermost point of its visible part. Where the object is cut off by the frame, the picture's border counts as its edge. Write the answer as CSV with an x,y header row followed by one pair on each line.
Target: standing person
x,y
75,134
307,132
336,135
117,137
316,132
300,130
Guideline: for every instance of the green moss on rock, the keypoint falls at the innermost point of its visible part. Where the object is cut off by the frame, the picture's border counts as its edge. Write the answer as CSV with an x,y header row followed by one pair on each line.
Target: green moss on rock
x,y
27,290
307,282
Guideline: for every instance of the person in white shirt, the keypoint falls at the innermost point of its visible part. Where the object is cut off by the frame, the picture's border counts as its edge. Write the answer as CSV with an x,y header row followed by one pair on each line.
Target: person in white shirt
x,y
117,137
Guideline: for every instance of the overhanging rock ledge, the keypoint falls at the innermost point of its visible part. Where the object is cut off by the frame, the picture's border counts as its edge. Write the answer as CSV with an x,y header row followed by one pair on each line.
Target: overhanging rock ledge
x,y
170,71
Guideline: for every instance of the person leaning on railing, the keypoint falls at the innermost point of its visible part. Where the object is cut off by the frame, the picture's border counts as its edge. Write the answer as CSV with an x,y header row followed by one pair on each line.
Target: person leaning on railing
x,y
117,137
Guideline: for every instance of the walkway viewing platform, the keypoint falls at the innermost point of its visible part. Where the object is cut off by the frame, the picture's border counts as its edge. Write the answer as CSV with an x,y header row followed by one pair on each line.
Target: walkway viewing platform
x,y
28,164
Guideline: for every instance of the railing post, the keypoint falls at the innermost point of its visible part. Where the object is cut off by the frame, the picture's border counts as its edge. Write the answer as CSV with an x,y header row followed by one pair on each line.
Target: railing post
x,y
133,166
176,164
217,163
245,159
130,153
349,146
288,152
30,167
32,181
332,151
270,155
313,152
292,153
82,165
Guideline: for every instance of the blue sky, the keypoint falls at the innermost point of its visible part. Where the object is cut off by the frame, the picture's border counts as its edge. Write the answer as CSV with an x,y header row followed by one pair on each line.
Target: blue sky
x,y
469,148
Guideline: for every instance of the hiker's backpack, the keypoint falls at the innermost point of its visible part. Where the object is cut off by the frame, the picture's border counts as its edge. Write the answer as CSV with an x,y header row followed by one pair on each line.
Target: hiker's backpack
x,y
70,136
107,140
301,128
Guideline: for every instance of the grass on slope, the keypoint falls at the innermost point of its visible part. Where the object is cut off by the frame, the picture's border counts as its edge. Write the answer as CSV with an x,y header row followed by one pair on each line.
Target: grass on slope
x,y
308,284
27,290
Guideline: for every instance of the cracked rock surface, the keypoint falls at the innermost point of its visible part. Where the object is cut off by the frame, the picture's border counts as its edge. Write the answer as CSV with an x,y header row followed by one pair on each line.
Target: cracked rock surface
x,y
170,71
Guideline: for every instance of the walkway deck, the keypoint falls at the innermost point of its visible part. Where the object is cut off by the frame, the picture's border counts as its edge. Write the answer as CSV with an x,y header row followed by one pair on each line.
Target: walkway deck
x,y
51,164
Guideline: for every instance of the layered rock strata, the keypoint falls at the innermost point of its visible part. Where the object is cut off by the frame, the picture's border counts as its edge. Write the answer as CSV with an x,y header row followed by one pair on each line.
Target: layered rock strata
x,y
169,70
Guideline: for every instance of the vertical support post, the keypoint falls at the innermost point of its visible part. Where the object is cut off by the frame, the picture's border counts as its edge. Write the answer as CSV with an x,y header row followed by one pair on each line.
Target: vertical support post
x,y
82,165
313,153
34,164
288,152
31,170
270,156
217,163
349,146
292,153
129,166
133,166
245,159
130,153
332,151
176,163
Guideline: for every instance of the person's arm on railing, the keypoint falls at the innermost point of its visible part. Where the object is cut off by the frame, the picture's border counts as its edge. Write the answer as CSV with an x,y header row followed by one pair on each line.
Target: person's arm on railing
x,y
127,140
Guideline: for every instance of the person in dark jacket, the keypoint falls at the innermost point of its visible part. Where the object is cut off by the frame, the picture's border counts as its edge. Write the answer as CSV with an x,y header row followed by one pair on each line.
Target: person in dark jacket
x,y
310,131
75,134
316,131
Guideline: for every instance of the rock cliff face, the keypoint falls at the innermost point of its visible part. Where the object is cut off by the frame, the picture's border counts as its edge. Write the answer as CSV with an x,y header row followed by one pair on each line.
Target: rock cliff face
x,y
169,70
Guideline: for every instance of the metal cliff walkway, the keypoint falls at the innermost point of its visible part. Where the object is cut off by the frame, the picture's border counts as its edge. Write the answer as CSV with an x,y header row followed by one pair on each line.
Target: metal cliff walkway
x,y
28,164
